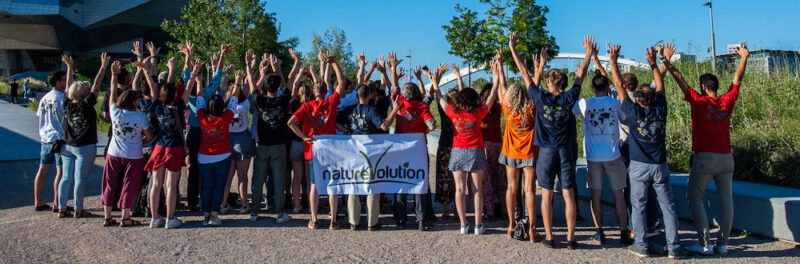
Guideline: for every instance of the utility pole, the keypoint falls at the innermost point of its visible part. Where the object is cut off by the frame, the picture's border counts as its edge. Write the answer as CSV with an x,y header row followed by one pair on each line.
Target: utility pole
x,y
713,44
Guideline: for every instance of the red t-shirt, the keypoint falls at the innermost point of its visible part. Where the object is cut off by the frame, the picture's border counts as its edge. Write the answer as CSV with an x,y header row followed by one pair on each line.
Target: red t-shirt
x,y
411,116
490,125
711,120
214,134
467,131
318,118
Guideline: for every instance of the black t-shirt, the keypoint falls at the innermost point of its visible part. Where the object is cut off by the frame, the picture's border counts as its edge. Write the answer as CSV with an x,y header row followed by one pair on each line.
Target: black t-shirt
x,y
146,106
648,125
81,122
273,113
13,87
169,119
360,119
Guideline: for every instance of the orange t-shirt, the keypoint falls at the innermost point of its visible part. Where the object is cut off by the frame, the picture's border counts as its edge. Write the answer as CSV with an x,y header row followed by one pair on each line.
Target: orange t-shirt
x,y
518,137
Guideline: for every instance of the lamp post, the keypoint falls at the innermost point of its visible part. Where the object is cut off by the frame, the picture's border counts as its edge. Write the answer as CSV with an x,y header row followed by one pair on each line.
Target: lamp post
x,y
713,44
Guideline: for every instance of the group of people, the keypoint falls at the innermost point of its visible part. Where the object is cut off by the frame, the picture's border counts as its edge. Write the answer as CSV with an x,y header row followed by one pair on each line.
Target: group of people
x,y
13,90
161,123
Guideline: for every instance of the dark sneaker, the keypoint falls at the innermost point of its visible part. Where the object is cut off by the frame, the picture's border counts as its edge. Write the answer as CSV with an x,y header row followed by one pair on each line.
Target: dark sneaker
x,y
353,227
599,238
572,245
625,240
549,243
376,227
678,253
640,252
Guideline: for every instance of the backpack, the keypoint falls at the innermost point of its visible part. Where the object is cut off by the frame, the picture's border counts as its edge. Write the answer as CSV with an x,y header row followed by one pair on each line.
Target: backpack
x,y
521,230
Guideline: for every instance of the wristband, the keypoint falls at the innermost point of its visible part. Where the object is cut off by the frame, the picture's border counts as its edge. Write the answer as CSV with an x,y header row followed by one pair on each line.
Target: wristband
x,y
249,64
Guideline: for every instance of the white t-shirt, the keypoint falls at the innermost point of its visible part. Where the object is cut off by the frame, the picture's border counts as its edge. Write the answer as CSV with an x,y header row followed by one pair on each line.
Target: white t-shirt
x,y
51,116
624,130
127,127
600,127
240,116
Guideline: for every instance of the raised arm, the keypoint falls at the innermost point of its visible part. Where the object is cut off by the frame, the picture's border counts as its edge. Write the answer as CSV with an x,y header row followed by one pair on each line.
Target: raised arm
x,y
340,81
392,115
539,66
597,64
666,54
249,60
115,68
312,72
223,50
393,62
371,69
513,39
418,74
296,83
361,64
153,59
68,61
275,63
589,46
650,55
744,53
101,73
613,55
670,48
144,66
191,83
492,98
188,50
295,66
457,73
437,75
382,69
137,78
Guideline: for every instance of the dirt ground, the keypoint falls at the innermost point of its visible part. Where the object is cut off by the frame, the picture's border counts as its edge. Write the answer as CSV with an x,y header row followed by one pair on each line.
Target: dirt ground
x,y
39,237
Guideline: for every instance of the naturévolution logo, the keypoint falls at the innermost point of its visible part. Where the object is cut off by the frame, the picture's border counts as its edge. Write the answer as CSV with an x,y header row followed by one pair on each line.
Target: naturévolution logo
x,y
374,174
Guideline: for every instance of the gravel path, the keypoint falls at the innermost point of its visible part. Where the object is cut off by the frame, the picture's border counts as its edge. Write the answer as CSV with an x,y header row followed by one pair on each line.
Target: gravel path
x,y
30,237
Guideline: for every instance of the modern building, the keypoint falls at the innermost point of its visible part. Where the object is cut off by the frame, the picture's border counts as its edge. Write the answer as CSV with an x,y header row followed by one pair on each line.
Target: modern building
x,y
34,33
763,60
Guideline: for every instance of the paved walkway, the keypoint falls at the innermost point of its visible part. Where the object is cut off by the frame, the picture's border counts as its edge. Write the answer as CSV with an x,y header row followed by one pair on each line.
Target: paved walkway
x,y
19,133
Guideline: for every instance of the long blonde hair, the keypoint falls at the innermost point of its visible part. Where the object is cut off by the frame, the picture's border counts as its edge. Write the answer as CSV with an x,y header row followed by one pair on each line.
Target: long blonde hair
x,y
518,102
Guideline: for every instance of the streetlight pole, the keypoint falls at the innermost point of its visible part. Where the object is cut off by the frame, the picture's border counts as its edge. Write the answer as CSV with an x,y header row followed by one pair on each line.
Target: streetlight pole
x,y
713,44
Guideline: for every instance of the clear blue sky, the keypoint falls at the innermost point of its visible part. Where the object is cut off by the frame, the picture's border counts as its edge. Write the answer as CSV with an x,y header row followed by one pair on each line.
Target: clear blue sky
x,y
376,27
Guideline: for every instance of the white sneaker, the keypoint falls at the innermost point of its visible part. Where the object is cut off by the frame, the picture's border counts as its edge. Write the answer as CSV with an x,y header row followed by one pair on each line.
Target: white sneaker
x,y
464,229
225,210
157,222
173,223
215,221
479,229
284,218
697,248
723,250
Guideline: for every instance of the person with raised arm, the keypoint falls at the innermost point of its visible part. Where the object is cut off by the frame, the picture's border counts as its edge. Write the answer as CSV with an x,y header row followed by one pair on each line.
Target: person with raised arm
x,y
647,118
51,131
518,153
468,157
711,149
318,118
445,184
193,136
494,179
123,165
363,119
556,135
300,177
272,112
80,139
601,115
413,116
214,155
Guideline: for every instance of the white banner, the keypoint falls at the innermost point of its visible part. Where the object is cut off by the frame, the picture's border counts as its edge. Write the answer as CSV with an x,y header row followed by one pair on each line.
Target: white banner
x,y
370,164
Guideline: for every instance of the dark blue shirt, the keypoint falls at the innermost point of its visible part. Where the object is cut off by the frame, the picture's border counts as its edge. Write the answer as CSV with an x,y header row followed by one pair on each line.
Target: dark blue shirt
x,y
555,123
648,126
146,106
170,132
361,119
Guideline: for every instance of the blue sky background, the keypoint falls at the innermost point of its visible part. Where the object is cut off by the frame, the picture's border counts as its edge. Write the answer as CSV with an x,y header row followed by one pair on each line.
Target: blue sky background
x,y
377,27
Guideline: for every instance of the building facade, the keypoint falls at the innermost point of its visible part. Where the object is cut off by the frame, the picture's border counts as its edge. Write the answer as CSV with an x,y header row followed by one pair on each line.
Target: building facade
x,y
764,60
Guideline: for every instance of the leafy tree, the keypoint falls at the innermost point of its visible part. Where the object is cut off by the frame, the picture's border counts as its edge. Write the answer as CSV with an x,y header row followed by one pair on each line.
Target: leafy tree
x,y
244,23
333,40
529,20
465,33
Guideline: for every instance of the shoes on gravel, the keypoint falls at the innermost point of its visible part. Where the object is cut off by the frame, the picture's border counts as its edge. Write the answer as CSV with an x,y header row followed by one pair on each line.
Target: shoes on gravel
x,y
157,222
640,252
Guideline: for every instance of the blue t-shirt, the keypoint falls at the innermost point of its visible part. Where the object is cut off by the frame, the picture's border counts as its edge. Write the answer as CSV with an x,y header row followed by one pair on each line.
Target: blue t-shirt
x,y
648,128
361,119
170,127
555,123
146,107
208,91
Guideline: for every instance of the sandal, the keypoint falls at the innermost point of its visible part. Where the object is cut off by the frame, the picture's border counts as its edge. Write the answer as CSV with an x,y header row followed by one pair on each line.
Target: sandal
x,y
312,224
511,233
129,222
64,214
43,207
534,237
109,222
80,213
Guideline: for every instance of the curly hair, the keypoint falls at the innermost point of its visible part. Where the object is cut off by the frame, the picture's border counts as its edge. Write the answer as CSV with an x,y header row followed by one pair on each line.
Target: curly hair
x,y
467,100
558,78
411,92
518,102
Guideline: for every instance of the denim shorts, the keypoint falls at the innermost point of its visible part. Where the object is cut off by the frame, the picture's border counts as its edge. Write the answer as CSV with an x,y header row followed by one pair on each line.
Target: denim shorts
x,y
49,155
556,161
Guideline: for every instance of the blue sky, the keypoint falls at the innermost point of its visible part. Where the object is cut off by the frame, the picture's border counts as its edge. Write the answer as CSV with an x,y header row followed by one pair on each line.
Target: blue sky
x,y
377,27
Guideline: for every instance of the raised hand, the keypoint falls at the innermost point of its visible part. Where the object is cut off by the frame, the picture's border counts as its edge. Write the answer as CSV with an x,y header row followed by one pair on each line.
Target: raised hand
x,y
393,59
229,69
361,59
320,55
115,67
543,57
152,48
401,72
667,50
613,53
226,48
198,64
588,43
67,60
137,49
104,60
455,69
418,71
214,59
381,64
171,63
650,55
239,76
275,62
328,58
513,39
250,57
293,54
742,49
143,64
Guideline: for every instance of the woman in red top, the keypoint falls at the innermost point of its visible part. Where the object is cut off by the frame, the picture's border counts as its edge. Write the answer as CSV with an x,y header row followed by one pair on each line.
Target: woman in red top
x,y
318,118
214,153
467,155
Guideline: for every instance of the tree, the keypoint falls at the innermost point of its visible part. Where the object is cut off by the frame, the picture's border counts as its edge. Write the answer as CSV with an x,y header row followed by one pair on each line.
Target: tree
x,y
528,19
244,23
464,34
333,40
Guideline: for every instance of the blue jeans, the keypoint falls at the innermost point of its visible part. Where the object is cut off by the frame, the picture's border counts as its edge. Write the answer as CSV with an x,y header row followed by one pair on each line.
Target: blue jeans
x,y
77,165
213,177
643,176
48,155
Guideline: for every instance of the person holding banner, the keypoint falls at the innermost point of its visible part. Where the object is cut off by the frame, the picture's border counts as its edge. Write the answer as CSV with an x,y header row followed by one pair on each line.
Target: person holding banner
x,y
363,119
319,118
467,155
414,116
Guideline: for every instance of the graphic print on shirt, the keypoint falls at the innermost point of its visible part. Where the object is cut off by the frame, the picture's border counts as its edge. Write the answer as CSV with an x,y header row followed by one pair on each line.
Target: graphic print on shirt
x,y
557,115
211,133
272,117
651,128
319,118
76,120
47,106
167,120
405,117
718,116
601,120
357,121
125,130
463,125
